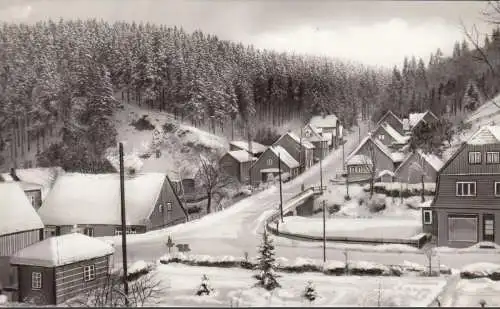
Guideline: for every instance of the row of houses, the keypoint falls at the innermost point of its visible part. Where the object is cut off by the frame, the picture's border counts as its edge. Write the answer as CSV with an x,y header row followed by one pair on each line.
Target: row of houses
x,y
293,152
384,153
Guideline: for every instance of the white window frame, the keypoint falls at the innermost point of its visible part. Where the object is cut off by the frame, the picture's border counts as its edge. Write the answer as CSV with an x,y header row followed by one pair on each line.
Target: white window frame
x,y
489,226
381,137
475,157
89,272
429,212
118,231
36,280
169,206
497,192
492,154
463,240
269,162
463,183
89,231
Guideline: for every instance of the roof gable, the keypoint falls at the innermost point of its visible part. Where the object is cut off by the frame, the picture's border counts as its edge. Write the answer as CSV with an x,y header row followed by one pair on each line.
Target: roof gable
x,y
400,139
285,157
389,114
485,135
241,156
62,250
16,212
369,139
431,159
95,199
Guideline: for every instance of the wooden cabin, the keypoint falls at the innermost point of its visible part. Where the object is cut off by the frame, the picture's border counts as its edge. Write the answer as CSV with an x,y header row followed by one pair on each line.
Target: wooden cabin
x,y
237,164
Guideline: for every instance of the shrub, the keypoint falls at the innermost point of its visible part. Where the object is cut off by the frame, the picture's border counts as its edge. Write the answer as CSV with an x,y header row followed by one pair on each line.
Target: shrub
x,y
142,124
169,127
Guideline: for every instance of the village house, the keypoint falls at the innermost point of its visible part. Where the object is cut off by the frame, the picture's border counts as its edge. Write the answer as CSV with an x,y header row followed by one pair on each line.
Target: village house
x,y
389,136
237,164
59,268
256,151
92,202
329,127
313,135
300,149
417,165
466,204
371,152
414,120
266,168
35,182
393,120
20,226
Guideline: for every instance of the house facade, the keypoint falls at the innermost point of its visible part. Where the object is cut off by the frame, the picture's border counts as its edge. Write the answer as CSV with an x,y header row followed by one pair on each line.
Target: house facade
x,y
50,277
266,168
313,135
237,164
389,136
393,120
416,165
300,149
368,153
329,127
466,207
20,227
256,151
150,201
415,120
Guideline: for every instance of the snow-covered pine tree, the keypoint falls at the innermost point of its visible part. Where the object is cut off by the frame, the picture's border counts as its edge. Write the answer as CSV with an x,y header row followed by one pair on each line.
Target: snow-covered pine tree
x,y
310,292
204,288
267,276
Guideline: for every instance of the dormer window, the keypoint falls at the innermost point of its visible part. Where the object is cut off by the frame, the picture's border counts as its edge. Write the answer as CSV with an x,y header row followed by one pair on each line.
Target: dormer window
x,y
474,157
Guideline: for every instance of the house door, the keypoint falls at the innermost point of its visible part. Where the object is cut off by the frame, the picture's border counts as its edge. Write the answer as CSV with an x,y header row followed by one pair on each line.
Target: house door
x,y
489,227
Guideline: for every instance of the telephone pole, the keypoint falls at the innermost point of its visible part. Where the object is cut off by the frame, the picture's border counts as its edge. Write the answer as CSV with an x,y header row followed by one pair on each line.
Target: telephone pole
x,y
321,173
281,190
124,223
324,231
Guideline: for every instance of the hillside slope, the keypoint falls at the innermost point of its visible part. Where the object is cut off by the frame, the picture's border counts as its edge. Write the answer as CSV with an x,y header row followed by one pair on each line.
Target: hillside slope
x,y
180,144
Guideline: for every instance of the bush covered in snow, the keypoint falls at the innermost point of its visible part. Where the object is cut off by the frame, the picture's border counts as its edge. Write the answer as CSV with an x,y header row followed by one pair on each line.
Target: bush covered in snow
x,y
142,124
138,269
481,270
396,189
374,204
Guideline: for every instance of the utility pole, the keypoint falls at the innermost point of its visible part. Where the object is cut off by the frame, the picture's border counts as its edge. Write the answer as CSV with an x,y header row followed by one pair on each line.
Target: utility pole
x,y
321,174
281,190
124,224
343,157
324,231
302,165
250,154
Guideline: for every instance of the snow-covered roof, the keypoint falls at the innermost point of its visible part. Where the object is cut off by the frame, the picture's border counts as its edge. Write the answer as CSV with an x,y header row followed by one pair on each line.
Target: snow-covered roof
x,y
486,110
432,159
359,160
400,139
485,135
36,178
62,250
256,147
165,164
324,121
285,156
270,170
95,199
315,134
241,156
386,172
388,114
305,143
393,156
415,118
16,212
398,156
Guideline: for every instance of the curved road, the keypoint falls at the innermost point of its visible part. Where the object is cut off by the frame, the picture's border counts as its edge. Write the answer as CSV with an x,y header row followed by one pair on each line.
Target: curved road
x,y
237,229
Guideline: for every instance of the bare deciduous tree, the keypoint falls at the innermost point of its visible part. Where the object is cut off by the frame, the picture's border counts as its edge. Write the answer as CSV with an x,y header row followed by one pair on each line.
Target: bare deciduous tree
x,y
213,179
370,163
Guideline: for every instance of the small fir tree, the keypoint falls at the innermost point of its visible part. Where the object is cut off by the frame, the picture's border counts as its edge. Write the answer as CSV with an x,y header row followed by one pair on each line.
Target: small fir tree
x,y
310,292
267,276
204,288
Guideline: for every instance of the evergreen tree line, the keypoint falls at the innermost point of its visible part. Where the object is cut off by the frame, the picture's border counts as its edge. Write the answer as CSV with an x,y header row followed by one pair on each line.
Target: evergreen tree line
x,y
448,85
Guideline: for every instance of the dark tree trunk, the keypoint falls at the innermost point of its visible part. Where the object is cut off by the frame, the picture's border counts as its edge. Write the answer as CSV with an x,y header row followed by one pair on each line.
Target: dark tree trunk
x,y
209,203
423,187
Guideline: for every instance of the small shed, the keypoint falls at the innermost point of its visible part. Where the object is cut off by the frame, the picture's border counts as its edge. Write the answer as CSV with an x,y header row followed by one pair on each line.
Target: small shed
x,y
59,268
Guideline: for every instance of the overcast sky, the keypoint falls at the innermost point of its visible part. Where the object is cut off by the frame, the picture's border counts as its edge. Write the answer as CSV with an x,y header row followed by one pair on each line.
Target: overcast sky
x,y
371,32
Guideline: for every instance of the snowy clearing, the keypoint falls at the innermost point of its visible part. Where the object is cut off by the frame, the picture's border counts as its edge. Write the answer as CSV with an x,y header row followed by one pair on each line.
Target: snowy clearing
x,y
236,287
362,228
469,293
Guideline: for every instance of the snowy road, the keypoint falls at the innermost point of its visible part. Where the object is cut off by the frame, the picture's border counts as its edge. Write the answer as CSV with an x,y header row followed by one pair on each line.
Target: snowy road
x,y
235,230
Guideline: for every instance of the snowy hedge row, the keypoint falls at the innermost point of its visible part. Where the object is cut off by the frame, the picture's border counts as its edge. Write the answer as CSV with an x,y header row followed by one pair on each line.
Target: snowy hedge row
x,y
300,265
481,270
138,269
394,189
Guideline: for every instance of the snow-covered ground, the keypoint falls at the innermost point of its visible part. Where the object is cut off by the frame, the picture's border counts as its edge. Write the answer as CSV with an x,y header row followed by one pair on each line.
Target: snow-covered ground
x,y
469,293
235,287
374,228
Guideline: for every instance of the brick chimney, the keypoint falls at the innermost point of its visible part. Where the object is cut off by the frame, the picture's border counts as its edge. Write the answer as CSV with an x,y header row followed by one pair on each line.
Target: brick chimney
x,y
13,174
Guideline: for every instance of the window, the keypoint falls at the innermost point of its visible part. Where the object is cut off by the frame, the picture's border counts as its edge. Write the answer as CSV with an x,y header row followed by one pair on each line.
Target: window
x,y
462,228
492,157
169,206
88,231
118,231
269,161
427,216
474,157
489,227
33,200
89,272
497,188
130,230
466,188
36,280
381,137
160,208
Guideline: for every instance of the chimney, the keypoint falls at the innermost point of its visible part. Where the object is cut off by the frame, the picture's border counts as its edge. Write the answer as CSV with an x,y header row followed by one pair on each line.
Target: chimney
x,y
13,174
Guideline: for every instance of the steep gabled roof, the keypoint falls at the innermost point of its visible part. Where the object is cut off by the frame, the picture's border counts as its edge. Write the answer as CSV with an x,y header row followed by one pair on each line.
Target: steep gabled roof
x,y
256,147
295,138
62,250
16,212
241,156
286,158
485,135
400,139
381,146
95,199
35,178
315,134
415,118
388,114
435,162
